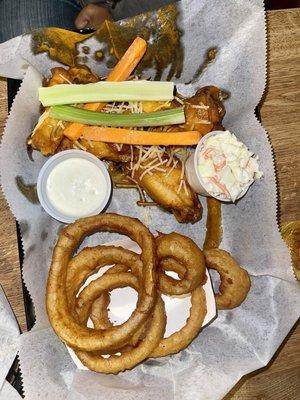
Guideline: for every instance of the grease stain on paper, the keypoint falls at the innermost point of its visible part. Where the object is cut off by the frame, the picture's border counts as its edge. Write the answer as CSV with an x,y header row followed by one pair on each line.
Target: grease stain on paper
x,y
211,55
28,190
159,28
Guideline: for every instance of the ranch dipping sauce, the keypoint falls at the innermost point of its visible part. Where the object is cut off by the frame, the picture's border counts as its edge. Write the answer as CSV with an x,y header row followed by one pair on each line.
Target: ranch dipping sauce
x,y
73,184
76,187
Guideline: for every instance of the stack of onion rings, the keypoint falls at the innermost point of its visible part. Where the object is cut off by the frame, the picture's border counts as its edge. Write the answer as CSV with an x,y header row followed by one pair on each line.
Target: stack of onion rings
x,y
107,348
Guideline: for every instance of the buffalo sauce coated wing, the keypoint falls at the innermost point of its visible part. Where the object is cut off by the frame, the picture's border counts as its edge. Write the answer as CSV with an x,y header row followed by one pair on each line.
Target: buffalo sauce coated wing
x,y
203,112
172,192
48,136
166,184
106,151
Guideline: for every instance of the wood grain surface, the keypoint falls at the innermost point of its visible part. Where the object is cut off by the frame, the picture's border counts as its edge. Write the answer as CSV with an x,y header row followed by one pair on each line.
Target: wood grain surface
x,y
10,275
280,112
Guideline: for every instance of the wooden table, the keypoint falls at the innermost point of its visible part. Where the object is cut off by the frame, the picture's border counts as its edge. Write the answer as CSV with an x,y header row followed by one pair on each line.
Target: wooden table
x,y
280,113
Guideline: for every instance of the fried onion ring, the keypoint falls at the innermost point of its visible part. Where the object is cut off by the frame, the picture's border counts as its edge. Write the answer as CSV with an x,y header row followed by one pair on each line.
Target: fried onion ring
x,y
235,281
185,252
182,338
91,259
63,322
99,310
132,356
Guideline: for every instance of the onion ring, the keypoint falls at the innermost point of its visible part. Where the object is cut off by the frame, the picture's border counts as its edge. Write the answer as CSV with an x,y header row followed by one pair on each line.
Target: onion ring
x,y
169,264
99,310
91,259
87,262
235,281
184,251
181,339
131,357
63,323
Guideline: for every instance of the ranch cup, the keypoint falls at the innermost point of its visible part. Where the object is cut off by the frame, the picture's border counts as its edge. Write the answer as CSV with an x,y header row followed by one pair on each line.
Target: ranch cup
x,y
73,184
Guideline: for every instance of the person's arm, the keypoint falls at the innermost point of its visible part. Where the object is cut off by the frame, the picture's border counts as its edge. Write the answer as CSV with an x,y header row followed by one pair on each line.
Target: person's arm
x,y
93,13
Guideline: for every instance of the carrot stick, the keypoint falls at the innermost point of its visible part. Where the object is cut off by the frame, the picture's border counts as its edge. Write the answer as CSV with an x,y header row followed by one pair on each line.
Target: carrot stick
x,y
144,138
121,72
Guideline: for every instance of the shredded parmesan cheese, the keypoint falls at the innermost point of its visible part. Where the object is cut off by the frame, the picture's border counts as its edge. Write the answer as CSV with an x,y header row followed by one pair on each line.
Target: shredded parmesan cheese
x,y
181,178
153,167
131,156
119,146
179,187
60,124
90,143
179,100
185,187
147,217
79,145
204,122
65,79
199,106
172,169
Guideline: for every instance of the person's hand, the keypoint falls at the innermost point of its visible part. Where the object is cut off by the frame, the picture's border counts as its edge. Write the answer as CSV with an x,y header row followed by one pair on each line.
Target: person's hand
x,y
92,16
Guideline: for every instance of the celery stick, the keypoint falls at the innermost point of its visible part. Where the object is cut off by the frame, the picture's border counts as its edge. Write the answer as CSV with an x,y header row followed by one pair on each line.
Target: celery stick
x,y
74,114
106,92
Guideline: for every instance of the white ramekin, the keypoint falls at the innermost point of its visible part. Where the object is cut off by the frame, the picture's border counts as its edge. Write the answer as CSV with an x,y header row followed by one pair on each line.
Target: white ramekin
x,y
193,174
44,174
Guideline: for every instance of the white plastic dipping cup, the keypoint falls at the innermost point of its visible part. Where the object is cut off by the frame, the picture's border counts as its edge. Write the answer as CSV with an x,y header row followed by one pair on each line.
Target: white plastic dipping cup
x,y
49,166
193,174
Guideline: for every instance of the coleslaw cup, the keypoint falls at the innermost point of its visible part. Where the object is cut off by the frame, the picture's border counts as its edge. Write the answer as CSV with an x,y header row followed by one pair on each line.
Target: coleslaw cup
x,y
194,177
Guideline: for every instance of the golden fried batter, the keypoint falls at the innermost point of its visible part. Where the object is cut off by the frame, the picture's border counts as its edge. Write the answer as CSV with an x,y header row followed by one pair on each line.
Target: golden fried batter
x,y
47,135
167,186
106,151
65,144
82,75
166,189
235,281
203,112
59,75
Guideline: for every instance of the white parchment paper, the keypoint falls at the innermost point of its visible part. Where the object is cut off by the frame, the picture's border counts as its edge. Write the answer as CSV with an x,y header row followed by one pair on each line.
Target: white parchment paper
x,y
238,341
9,344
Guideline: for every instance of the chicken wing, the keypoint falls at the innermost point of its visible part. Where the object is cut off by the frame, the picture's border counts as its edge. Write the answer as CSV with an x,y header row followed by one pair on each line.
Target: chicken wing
x,y
170,190
106,151
203,112
47,135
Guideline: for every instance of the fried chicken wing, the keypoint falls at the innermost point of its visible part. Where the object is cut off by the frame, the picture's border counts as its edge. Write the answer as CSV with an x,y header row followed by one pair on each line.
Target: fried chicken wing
x,y
172,192
47,135
106,151
60,75
82,75
65,144
165,183
203,112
